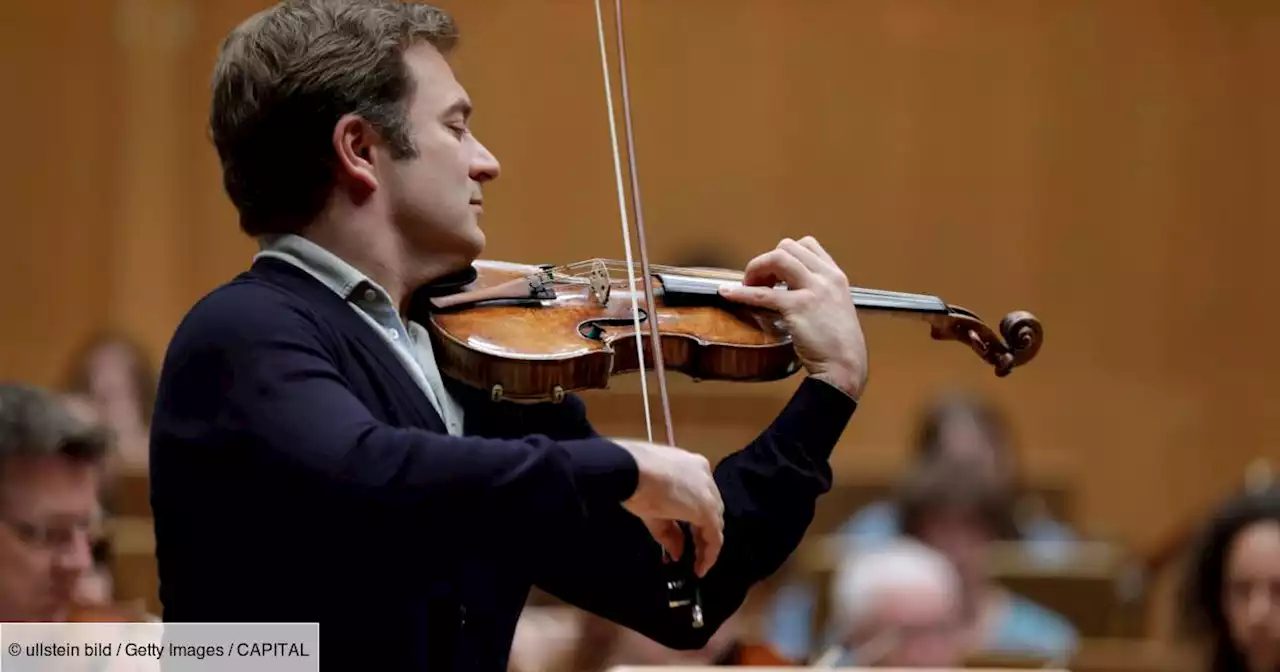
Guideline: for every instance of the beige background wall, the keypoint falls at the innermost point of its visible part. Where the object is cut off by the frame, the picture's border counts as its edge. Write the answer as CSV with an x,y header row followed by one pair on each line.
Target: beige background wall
x,y
1110,166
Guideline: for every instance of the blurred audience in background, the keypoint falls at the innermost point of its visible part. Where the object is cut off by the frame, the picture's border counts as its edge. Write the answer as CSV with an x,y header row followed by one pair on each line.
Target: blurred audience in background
x,y
1232,591
912,585
559,639
113,377
966,430
961,432
960,511
50,472
896,605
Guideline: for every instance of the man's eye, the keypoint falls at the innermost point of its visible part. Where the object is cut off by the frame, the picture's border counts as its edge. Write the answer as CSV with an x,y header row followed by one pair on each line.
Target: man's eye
x,y
458,129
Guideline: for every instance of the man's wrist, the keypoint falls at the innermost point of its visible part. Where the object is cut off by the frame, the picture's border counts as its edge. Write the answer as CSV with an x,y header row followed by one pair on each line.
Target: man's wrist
x,y
844,380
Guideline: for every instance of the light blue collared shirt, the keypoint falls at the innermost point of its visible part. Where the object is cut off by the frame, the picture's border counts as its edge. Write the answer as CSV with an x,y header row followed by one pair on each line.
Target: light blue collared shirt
x,y
409,340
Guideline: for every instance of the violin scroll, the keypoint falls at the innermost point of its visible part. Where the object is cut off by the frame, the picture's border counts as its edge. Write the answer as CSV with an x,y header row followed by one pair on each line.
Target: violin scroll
x,y
1021,331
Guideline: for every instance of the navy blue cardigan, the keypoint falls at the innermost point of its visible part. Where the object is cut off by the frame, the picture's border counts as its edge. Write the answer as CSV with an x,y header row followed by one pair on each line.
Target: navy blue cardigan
x,y
299,474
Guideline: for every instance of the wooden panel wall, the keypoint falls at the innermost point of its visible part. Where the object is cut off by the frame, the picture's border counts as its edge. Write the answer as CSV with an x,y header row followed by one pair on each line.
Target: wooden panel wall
x,y
1111,166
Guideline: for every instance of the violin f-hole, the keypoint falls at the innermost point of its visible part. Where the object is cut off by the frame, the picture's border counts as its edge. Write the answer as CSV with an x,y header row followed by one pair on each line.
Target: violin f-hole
x,y
595,329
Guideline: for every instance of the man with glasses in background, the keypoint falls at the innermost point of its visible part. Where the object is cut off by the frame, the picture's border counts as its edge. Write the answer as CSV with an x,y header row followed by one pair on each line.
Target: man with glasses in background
x,y
50,464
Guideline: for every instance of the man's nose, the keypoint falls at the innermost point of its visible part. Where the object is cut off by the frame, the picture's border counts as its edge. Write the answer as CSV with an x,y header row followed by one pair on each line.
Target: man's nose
x,y
485,167
76,556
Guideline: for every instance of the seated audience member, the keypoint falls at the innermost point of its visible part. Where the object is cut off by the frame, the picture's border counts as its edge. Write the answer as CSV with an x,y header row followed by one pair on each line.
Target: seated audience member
x,y
964,430
1232,593
954,429
897,605
96,586
960,512
114,375
50,464
82,407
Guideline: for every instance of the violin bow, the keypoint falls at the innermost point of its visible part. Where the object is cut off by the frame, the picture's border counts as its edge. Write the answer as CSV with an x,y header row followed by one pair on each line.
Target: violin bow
x,y
654,340
682,584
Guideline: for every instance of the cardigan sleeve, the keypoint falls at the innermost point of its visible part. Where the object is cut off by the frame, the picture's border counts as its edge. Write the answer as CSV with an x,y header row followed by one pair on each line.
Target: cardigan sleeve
x,y
248,368
609,564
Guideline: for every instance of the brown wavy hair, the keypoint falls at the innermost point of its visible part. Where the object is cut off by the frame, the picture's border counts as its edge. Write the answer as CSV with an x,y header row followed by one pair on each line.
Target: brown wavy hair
x,y
284,78
1203,615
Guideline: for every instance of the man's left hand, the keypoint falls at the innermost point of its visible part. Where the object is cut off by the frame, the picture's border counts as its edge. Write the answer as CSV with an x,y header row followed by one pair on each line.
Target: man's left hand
x,y
816,306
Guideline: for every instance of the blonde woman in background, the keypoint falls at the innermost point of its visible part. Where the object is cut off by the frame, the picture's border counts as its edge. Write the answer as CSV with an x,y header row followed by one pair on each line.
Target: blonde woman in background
x,y
113,378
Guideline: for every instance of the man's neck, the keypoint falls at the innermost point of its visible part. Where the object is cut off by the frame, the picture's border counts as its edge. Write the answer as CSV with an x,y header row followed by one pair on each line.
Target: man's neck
x,y
379,254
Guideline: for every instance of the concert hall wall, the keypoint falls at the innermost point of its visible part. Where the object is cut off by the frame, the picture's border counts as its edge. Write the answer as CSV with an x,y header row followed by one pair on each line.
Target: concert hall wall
x,y
1111,167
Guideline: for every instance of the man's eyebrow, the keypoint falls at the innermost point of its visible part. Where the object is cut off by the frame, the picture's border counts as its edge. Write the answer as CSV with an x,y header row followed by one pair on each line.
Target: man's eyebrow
x,y
461,106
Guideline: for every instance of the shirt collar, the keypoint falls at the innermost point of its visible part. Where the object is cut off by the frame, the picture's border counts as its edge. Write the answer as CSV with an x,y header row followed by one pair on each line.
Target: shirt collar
x,y
330,269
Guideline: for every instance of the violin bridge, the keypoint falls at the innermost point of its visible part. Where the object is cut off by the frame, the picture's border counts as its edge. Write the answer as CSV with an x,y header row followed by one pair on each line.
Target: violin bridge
x,y
598,280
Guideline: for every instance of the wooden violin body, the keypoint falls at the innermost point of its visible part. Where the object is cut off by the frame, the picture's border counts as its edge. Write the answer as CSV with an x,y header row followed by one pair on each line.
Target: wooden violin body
x,y
535,333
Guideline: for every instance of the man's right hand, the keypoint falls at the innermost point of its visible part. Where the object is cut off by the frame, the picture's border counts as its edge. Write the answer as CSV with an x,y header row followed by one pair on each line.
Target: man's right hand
x,y
676,485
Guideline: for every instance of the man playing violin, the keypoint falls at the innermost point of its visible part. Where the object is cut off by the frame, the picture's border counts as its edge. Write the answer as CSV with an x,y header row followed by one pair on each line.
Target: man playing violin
x,y
310,462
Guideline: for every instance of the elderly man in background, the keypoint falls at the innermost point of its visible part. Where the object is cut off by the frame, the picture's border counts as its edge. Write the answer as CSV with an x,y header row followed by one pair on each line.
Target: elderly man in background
x,y
897,605
50,471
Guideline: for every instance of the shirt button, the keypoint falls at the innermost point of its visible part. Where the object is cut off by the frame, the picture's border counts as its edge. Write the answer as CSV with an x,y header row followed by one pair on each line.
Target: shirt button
x,y
395,335
370,295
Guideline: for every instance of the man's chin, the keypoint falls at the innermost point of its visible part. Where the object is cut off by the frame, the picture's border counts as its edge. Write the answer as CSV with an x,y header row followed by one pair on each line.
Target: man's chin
x,y
444,267
473,246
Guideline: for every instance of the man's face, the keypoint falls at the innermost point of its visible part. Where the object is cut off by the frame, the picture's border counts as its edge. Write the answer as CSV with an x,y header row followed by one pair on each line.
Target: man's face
x,y
1251,593
46,517
435,198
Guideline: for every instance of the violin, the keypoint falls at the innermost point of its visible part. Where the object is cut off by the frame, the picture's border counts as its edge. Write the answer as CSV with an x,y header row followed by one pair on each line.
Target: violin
x,y
532,333
535,333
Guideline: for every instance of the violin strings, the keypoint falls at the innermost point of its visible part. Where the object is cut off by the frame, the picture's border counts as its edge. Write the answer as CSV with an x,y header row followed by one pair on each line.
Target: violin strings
x,y
874,298
622,209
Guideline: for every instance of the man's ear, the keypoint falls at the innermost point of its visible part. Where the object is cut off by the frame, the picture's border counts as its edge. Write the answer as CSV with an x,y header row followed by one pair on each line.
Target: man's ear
x,y
353,141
